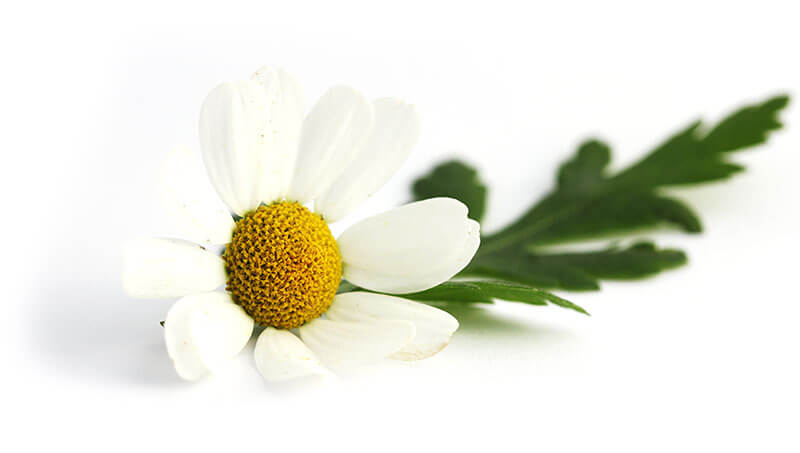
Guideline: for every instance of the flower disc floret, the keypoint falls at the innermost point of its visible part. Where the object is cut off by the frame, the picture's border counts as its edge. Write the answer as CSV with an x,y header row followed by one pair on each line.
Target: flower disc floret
x,y
283,265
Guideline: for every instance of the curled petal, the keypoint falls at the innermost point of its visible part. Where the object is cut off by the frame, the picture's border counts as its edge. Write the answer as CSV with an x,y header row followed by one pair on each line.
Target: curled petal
x,y
392,138
281,356
190,200
434,327
411,248
161,268
333,133
248,136
203,331
342,341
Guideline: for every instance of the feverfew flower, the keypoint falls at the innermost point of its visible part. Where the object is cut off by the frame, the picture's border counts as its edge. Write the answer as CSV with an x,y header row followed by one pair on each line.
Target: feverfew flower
x,y
281,266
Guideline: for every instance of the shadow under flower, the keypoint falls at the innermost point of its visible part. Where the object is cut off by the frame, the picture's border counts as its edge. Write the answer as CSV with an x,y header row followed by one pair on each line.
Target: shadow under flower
x,y
485,319
488,334
91,332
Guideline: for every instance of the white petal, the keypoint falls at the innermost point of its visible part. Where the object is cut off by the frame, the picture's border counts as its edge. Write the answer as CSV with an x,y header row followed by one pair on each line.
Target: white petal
x,y
288,108
393,137
334,131
340,341
410,248
281,356
159,267
190,200
434,327
203,331
248,135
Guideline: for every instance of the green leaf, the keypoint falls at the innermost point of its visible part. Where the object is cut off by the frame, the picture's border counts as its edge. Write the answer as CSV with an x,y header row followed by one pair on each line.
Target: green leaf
x,y
483,291
590,203
586,170
578,271
346,287
456,180
618,214
685,158
488,290
747,127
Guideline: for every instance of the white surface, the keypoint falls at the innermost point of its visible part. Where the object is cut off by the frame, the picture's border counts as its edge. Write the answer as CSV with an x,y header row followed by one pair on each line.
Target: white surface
x,y
704,358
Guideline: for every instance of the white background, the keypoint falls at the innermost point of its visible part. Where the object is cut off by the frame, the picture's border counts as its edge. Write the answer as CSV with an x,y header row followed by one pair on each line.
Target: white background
x,y
704,358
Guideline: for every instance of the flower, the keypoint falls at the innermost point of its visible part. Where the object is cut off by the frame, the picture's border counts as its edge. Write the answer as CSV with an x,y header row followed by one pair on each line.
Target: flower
x,y
281,265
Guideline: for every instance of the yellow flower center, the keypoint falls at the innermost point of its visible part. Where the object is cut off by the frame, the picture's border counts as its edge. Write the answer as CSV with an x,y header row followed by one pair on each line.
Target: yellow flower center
x,y
283,265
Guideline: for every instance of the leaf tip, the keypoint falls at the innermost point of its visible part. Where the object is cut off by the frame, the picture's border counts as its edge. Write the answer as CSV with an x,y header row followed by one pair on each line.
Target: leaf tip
x,y
777,102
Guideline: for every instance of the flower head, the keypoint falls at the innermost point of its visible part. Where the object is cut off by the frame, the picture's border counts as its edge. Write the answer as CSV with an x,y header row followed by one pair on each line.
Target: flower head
x,y
281,266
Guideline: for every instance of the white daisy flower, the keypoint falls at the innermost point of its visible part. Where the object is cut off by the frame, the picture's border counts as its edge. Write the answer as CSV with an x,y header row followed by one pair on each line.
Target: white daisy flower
x,y
281,265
